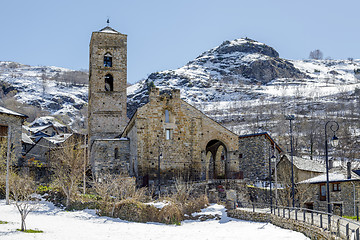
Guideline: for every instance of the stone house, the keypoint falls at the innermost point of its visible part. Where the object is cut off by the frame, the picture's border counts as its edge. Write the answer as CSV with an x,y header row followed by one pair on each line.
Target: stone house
x,y
344,191
255,150
303,168
11,122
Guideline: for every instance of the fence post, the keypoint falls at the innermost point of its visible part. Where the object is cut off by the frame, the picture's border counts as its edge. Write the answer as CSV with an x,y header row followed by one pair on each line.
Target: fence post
x,y
304,215
296,214
283,212
338,227
278,211
312,218
321,221
357,234
253,207
357,213
347,232
289,213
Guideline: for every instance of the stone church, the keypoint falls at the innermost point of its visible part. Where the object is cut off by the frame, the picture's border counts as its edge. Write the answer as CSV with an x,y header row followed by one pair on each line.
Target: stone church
x,y
166,138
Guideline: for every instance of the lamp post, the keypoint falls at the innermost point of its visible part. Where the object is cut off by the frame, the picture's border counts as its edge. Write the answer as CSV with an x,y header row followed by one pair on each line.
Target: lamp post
x,y
334,126
271,159
159,176
291,118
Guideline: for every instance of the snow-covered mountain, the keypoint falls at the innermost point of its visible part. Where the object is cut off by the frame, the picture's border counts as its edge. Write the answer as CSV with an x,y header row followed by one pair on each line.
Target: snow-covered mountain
x,y
244,70
57,90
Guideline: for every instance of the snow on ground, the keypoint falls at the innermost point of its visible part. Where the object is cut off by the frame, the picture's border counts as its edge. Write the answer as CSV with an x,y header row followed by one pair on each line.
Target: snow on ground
x,y
61,225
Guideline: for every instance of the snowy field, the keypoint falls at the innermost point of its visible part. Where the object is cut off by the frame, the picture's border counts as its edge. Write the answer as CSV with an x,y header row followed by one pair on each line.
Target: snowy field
x,y
61,225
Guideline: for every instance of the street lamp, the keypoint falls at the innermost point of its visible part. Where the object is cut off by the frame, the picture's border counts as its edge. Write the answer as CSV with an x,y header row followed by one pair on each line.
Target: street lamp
x,y
271,159
291,118
159,169
334,141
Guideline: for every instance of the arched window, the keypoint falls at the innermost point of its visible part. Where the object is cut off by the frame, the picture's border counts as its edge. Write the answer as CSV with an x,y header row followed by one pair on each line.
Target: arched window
x,y
167,116
109,83
107,60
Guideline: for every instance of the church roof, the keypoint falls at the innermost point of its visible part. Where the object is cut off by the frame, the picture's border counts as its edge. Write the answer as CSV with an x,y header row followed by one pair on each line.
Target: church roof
x,y
108,29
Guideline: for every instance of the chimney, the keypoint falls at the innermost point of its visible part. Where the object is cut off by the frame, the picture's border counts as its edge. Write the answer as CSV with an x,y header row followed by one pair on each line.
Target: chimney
x,y
348,168
153,94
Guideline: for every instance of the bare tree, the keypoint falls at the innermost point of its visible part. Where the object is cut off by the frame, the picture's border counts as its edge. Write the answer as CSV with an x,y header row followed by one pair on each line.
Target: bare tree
x,y
316,54
68,165
22,189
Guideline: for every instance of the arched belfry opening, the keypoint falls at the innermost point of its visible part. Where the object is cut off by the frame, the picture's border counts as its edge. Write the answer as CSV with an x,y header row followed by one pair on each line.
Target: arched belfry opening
x,y
109,83
216,160
107,60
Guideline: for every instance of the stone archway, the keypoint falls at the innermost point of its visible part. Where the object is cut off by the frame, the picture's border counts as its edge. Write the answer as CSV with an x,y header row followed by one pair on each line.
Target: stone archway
x,y
216,160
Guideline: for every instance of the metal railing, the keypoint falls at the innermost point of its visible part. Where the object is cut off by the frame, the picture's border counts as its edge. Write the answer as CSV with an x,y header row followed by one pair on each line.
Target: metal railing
x,y
338,226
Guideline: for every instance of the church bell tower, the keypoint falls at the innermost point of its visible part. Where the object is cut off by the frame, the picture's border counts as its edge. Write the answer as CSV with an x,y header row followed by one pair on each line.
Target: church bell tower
x,y
107,85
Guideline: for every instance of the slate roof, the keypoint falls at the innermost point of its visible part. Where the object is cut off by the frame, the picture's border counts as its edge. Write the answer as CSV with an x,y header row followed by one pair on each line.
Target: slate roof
x,y
338,174
108,30
307,164
26,139
10,112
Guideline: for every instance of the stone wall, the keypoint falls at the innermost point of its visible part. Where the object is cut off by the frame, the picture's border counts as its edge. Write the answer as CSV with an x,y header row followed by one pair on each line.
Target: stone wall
x,y
15,124
254,153
307,229
110,155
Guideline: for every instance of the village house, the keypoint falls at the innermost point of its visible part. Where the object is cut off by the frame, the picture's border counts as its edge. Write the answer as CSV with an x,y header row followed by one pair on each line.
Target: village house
x,y
303,168
344,191
10,126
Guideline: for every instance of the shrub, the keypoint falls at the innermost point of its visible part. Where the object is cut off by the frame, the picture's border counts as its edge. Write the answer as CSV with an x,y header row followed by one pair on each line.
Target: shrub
x,y
171,214
130,210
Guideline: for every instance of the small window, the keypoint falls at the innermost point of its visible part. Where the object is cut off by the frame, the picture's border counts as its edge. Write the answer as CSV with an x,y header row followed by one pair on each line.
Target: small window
x,y
108,60
3,131
167,116
336,187
168,134
322,192
116,153
109,83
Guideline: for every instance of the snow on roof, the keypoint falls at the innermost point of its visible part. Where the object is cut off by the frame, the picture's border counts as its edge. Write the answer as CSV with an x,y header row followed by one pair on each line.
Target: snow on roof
x,y
26,139
108,30
338,174
46,120
307,164
58,138
10,112
39,128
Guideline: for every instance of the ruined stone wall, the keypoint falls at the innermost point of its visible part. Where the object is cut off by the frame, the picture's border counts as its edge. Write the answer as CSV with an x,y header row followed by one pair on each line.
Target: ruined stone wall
x,y
183,154
254,153
15,124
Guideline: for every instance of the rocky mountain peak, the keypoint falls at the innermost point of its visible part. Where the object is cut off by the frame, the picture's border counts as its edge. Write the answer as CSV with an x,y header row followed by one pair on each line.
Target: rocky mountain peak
x,y
245,45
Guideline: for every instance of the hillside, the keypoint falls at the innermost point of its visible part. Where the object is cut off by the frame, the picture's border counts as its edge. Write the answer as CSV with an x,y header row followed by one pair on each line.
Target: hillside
x,y
243,84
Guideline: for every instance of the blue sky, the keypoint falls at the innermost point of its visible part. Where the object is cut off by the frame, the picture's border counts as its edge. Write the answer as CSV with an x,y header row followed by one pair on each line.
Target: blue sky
x,y
166,34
